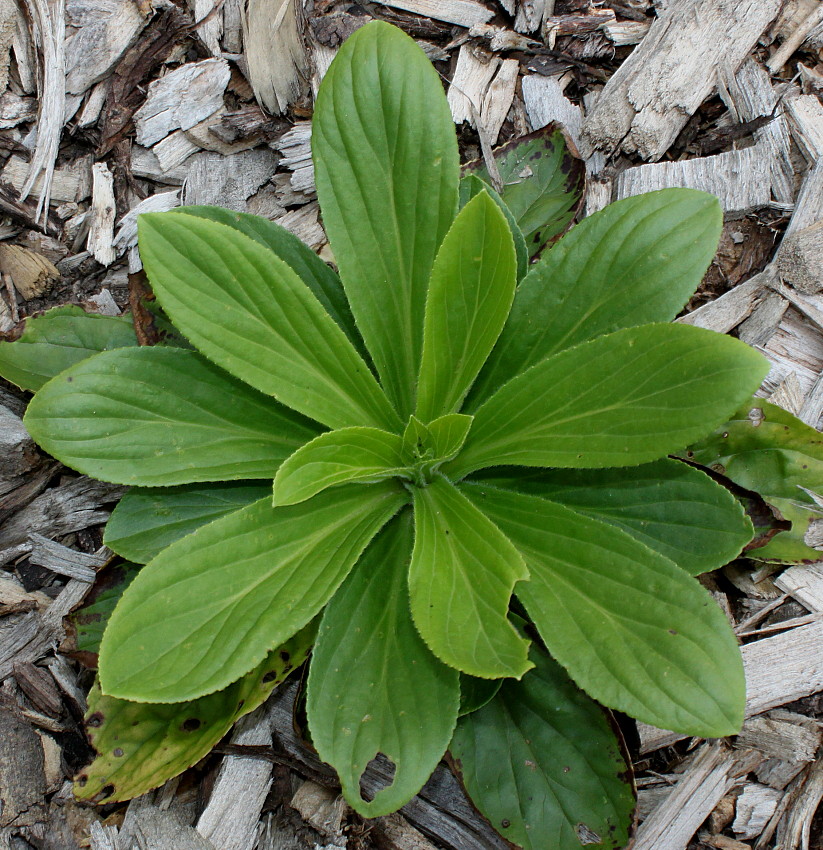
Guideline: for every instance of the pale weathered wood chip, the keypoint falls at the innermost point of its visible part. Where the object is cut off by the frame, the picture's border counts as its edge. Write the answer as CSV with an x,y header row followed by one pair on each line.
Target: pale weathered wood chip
x,y
463,13
22,775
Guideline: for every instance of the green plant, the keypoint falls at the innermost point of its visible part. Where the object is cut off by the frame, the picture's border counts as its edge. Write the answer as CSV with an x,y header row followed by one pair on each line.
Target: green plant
x,y
441,440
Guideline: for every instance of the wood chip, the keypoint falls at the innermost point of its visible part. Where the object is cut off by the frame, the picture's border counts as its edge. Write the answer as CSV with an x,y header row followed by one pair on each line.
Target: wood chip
x,y
8,25
101,230
473,74
230,819
649,99
779,58
805,118
530,14
394,832
741,179
755,806
708,778
228,181
295,147
18,454
727,312
779,670
764,321
174,150
32,274
463,13
65,561
794,830
70,182
107,28
144,163
22,776
211,29
321,808
805,583
276,56
15,110
181,99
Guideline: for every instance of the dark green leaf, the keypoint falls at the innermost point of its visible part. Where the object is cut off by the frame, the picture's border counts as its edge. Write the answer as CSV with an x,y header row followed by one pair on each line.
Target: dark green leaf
x,y
140,745
211,606
387,169
636,261
632,629
619,400
147,519
543,183
671,507
461,578
151,416
475,693
470,293
765,449
58,339
374,686
543,766
344,456
250,313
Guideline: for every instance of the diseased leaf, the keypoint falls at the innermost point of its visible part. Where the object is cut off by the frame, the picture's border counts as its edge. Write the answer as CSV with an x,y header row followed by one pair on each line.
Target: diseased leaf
x,y
344,456
249,312
636,261
58,339
317,275
470,293
152,416
543,183
90,620
765,449
673,508
619,400
630,627
140,745
374,686
475,693
148,519
387,170
212,605
462,574
470,187
542,764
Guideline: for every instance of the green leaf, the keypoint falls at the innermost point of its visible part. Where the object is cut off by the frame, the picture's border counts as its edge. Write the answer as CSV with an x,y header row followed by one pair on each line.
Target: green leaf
x,y
462,574
471,291
542,764
673,508
765,449
250,313
543,183
153,416
347,455
140,745
619,400
147,519
387,170
317,275
58,339
636,261
470,187
211,606
90,620
631,628
374,686
440,440
475,693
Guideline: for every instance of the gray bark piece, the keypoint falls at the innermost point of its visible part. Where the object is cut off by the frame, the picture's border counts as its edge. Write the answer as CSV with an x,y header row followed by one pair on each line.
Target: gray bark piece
x,y
805,583
181,99
755,805
18,454
228,181
155,829
126,236
65,561
531,14
727,312
798,260
231,816
809,207
22,772
764,321
741,179
107,29
651,96
463,13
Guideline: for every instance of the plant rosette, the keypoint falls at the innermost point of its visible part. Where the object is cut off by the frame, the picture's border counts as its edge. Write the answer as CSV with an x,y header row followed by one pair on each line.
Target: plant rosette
x,y
453,448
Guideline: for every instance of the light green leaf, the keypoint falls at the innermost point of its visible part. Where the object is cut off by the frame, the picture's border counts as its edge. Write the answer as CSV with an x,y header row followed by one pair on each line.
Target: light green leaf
x,y
462,574
619,400
475,693
147,519
153,416
631,628
211,606
448,434
470,187
673,508
426,447
347,455
140,745
470,293
543,183
250,313
317,275
766,449
58,339
374,686
542,764
387,169
636,261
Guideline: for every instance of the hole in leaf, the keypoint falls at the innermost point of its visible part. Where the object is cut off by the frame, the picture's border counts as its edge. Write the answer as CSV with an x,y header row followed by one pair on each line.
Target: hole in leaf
x,y
377,776
118,752
105,792
586,835
191,724
95,720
